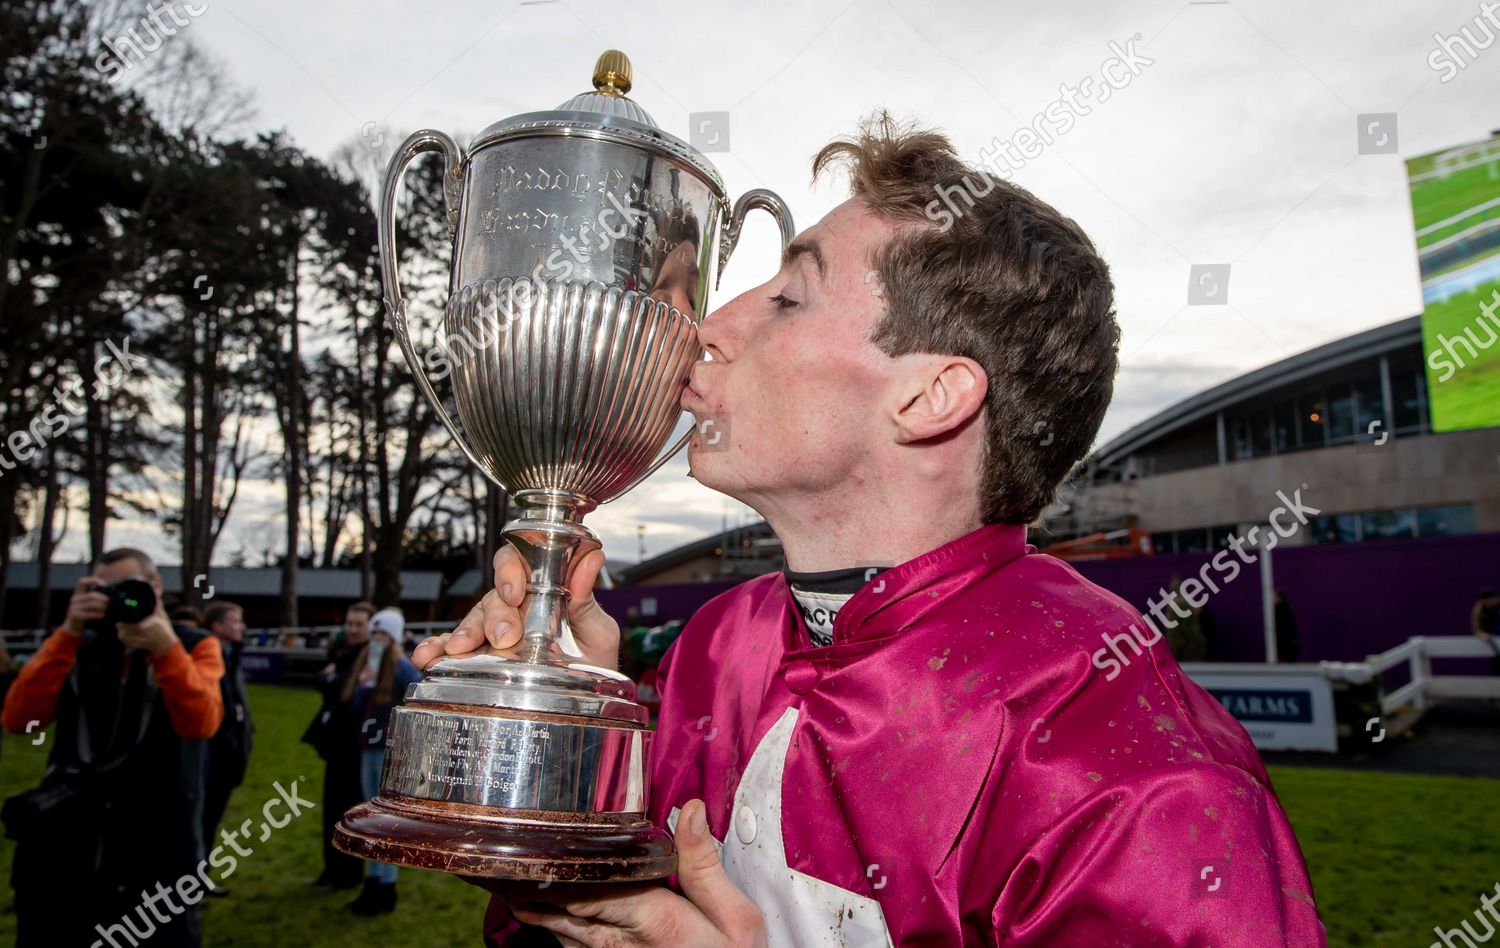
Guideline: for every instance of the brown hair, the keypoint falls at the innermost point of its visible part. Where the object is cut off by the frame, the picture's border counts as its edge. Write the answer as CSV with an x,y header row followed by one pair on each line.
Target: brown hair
x,y
368,608
188,615
217,610
385,679
147,565
1008,282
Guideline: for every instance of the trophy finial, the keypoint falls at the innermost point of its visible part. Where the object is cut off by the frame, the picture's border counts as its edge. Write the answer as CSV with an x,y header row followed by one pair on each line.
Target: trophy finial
x,y
612,73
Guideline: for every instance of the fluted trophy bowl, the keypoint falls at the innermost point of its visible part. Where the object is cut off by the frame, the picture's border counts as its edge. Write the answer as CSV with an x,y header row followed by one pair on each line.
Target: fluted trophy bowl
x,y
583,243
579,390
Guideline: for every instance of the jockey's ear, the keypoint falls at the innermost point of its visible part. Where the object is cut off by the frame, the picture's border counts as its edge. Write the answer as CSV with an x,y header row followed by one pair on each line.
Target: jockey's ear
x,y
939,395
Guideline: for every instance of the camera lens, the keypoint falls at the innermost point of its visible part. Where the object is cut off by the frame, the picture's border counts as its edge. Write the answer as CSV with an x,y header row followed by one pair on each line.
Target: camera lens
x,y
131,600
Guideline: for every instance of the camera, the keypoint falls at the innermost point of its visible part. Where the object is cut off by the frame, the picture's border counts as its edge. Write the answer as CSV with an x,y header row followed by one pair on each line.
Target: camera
x,y
130,600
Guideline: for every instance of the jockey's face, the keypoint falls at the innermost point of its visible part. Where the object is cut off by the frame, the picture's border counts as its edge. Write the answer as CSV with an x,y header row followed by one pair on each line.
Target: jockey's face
x,y
792,399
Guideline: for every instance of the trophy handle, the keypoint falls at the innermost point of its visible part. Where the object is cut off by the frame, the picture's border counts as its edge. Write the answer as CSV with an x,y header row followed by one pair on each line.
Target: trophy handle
x,y
761,198
453,159
765,200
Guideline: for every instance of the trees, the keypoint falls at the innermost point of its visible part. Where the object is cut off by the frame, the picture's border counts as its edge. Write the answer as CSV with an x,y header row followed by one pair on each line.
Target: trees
x,y
78,182
184,313
406,450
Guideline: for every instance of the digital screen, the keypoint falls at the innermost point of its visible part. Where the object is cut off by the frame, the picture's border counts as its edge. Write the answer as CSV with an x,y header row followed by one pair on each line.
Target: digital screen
x,y
1455,199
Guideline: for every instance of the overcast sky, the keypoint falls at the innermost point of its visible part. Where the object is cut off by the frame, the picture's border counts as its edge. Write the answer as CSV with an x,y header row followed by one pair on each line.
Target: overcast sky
x,y
1236,144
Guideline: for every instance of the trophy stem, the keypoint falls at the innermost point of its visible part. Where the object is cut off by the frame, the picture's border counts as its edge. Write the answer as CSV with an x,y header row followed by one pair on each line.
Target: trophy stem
x,y
550,535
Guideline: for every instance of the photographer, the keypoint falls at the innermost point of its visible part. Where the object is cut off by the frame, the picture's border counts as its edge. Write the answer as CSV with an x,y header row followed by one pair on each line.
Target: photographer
x,y
134,699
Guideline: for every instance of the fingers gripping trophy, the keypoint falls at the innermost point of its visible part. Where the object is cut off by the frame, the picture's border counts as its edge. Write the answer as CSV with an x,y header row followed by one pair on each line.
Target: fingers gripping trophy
x,y
583,243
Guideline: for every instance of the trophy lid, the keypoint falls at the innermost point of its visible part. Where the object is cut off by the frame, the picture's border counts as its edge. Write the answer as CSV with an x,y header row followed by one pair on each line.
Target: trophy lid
x,y
606,112
612,79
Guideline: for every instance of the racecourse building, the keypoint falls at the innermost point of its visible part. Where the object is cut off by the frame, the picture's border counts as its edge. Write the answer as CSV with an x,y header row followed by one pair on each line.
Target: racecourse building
x,y
1349,420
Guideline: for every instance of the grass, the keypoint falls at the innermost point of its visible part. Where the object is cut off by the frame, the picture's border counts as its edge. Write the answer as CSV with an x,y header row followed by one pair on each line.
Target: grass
x,y
1470,396
1440,198
1391,855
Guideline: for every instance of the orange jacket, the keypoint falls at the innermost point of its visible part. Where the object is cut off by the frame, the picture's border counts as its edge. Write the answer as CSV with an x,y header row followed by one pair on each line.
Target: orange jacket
x,y
189,685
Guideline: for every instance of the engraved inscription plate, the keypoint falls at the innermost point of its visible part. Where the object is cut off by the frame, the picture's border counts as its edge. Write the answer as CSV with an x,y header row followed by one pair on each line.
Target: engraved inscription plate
x,y
579,210
515,763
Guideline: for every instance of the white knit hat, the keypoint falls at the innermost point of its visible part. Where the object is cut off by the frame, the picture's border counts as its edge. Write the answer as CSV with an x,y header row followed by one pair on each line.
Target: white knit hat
x,y
389,621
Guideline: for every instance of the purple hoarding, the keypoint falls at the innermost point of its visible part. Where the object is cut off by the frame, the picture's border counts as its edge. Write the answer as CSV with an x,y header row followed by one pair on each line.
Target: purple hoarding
x,y
1350,600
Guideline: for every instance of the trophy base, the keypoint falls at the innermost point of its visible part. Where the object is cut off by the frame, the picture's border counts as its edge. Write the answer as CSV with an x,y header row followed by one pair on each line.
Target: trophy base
x,y
525,845
506,769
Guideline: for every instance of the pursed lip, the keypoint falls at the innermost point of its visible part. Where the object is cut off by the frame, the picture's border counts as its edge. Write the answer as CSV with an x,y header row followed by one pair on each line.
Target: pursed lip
x,y
692,399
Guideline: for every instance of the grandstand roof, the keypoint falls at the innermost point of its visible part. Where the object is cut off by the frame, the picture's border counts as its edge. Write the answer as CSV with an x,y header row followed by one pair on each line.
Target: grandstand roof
x,y
690,551
1305,365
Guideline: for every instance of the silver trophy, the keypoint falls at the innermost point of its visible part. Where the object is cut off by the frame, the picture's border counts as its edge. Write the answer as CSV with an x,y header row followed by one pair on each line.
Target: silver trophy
x,y
583,243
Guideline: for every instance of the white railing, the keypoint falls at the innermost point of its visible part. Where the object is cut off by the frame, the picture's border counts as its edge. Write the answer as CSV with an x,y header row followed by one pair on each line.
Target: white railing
x,y
303,636
1426,688
25,641
25,637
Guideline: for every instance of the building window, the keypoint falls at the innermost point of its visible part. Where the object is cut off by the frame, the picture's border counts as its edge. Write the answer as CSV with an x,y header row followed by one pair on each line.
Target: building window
x,y
1220,536
1193,541
1340,414
1242,441
1312,421
1448,520
1284,427
1260,433
1350,409
1388,525
1335,528
1406,393
1369,409
1445,521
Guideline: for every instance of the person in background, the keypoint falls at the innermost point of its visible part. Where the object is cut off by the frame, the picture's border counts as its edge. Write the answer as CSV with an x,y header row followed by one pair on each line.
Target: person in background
x,y
644,649
1208,624
1185,639
631,631
229,748
1484,622
332,733
377,682
116,811
1288,644
188,616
